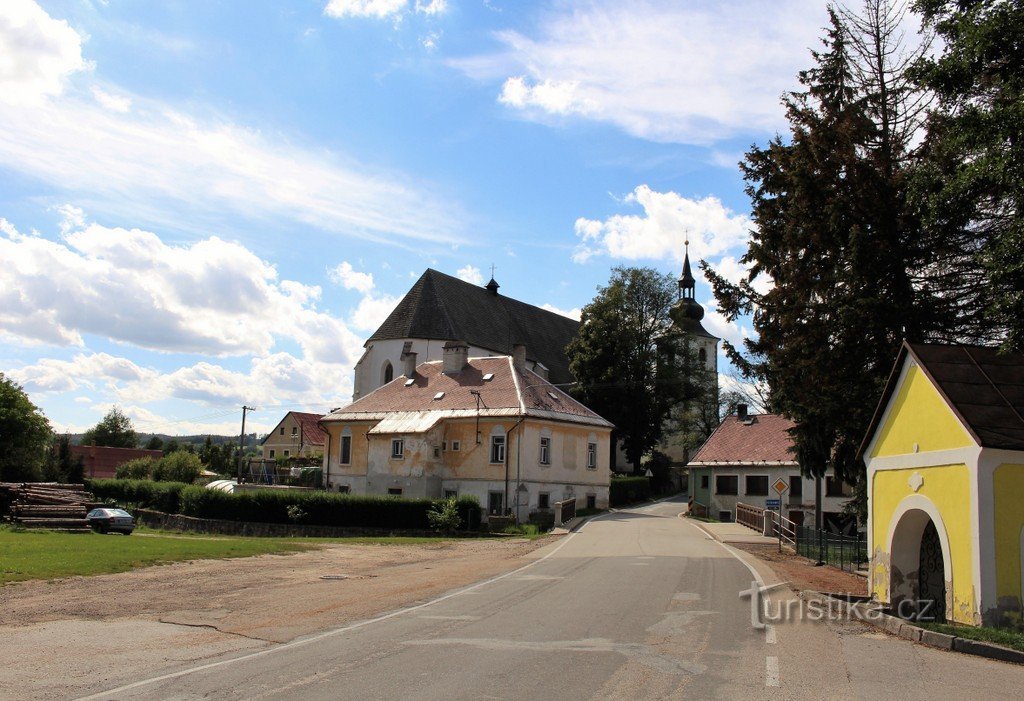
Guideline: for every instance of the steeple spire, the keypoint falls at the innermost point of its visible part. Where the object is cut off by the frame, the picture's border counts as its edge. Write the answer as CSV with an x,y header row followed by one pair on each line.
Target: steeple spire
x,y
687,284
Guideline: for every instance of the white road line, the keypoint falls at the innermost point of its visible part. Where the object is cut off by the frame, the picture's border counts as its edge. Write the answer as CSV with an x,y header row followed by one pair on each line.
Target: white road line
x,y
771,672
769,634
362,624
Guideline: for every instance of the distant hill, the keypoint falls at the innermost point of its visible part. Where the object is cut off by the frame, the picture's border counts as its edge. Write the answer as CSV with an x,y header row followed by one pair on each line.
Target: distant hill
x,y
251,439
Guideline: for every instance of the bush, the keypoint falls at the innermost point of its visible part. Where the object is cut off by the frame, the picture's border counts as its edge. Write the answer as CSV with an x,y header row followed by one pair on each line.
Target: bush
x,y
179,466
160,496
444,516
137,469
626,490
321,508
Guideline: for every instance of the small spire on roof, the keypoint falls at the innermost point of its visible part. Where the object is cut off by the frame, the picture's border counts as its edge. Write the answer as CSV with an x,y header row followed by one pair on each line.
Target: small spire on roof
x,y
492,286
687,284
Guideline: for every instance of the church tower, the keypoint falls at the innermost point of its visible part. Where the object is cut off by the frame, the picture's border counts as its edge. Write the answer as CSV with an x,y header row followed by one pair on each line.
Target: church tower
x,y
687,315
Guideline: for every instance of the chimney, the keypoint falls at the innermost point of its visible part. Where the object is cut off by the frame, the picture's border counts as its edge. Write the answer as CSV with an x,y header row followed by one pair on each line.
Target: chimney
x,y
409,367
456,355
741,412
519,356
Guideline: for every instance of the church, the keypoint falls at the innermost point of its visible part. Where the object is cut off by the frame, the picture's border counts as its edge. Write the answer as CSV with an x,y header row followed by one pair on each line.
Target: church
x,y
441,308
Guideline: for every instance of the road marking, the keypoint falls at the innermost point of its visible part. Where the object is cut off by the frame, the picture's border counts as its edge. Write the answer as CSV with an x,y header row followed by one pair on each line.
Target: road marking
x,y
771,673
326,634
537,577
451,618
769,634
686,596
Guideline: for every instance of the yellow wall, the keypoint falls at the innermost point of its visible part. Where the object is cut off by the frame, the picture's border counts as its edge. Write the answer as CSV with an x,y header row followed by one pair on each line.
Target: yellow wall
x,y
1008,490
948,487
919,415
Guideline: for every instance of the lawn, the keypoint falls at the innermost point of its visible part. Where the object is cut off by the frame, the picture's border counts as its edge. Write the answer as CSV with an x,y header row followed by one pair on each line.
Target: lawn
x,y
28,554
999,636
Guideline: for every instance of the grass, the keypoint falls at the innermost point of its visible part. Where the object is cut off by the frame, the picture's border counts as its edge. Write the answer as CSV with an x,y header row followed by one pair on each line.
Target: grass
x,y
705,519
30,554
1007,638
530,531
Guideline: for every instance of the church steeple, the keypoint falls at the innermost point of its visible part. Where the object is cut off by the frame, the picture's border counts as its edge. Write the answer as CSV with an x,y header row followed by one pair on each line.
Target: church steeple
x,y
687,285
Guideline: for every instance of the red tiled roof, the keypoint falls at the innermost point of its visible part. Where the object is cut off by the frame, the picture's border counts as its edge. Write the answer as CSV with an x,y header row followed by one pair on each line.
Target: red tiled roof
x,y
765,439
312,433
511,391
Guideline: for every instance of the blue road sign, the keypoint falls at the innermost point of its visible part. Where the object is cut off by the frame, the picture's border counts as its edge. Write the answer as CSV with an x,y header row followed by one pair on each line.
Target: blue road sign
x,y
773,503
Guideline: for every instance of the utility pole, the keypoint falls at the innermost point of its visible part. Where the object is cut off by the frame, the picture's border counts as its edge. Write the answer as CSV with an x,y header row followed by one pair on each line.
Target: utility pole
x,y
241,442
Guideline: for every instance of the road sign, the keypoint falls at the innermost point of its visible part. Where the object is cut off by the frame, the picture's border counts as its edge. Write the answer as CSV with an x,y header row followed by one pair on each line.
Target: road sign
x,y
772,503
780,485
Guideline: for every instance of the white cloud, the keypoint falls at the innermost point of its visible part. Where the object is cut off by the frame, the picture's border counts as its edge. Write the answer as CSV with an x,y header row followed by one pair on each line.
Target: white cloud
x,y
372,310
116,103
88,371
667,221
664,70
213,297
470,274
156,160
37,52
383,9
346,276
573,313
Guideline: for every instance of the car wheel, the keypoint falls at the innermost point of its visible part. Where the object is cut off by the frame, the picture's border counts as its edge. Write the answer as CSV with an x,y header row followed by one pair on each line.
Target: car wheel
x,y
101,530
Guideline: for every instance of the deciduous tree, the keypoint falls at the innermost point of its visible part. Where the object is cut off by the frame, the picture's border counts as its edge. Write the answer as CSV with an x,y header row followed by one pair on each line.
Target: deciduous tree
x,y
24,434
114,430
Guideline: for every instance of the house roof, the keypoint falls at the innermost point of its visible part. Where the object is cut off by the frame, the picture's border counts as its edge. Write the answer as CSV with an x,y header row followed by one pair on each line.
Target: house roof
x,y
433,395
312,432
443,307
983,387
760,439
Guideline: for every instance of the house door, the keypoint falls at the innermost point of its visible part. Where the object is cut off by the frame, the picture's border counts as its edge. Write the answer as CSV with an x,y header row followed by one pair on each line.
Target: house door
x,y
495,502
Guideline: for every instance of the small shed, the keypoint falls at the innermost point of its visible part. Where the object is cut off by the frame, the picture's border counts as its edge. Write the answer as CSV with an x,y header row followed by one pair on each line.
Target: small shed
x,y
945,469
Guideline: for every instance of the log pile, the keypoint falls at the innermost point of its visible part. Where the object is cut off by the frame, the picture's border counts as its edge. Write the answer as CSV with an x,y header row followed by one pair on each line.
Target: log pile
x,y
47,505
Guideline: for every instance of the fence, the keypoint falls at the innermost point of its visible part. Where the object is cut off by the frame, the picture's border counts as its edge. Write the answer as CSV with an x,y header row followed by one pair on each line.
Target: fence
x,y
565,511
846,552
750,516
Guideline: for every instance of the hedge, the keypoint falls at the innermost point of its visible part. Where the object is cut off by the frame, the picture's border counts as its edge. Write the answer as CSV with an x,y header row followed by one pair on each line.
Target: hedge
x,y
626,490
320,508
160,496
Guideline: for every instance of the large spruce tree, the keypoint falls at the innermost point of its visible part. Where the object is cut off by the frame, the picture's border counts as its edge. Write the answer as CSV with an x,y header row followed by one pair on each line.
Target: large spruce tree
x,y
839,240
972,182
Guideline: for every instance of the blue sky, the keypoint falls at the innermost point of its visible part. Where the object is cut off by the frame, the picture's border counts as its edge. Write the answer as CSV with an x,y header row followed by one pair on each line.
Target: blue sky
x,y
210,203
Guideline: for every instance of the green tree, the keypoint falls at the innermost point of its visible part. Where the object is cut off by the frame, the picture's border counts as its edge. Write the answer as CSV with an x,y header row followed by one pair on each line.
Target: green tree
x,y
114,430
614,357
24,434
154,443
840,242
971,185
180,466
61,465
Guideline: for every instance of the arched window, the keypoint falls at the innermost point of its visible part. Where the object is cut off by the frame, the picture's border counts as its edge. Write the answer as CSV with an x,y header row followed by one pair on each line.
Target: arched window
x,y
703,355
387,373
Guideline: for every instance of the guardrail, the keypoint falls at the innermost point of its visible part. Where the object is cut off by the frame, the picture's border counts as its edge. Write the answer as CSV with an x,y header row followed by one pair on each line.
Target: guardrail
x,y
750,516
565,511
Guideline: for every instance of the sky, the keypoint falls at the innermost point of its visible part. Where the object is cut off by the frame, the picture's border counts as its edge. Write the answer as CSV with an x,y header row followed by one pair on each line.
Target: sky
x,y
214,203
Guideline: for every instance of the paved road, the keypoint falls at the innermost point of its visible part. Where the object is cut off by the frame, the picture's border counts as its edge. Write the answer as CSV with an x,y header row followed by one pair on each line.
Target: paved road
x,y
637,604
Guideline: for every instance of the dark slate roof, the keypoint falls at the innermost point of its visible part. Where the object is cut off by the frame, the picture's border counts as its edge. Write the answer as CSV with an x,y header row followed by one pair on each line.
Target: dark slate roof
x,y
983,387
443,307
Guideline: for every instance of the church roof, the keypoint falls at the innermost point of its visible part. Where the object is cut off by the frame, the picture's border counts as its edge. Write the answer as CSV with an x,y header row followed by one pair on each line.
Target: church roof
x,y
983,387
443,307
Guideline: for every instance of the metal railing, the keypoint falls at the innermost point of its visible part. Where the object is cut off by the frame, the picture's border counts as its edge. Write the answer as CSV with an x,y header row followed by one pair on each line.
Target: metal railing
x,y
750,516
778,526
565,511
846,552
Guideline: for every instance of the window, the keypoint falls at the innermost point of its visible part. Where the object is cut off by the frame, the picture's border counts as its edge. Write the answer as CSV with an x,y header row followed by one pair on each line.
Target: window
x,y
727,484
286,453
451,494
271,452
592,456
394,491
344,489
495,500
591,501
757,485
295,430
387,373
497,449
437,451
545,451
346,450
725,516
835,487
704,479
456,446
543,500
282,430
703,355
796,486
397,448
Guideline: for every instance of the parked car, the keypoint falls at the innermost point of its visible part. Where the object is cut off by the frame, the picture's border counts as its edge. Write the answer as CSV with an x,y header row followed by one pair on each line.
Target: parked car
x,y
111,521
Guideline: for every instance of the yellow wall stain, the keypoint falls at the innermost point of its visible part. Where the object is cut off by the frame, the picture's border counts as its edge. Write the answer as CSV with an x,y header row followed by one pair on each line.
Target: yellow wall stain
x,y
919,415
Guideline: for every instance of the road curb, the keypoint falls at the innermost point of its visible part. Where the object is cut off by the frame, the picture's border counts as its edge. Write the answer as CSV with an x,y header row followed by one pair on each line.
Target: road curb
x,y
872,614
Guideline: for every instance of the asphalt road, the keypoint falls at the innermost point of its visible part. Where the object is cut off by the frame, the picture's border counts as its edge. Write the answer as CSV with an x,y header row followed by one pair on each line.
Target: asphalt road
x,y
637,604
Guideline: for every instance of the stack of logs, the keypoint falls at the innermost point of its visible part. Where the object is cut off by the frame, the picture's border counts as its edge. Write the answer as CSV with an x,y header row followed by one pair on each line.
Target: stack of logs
x,y
48,505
